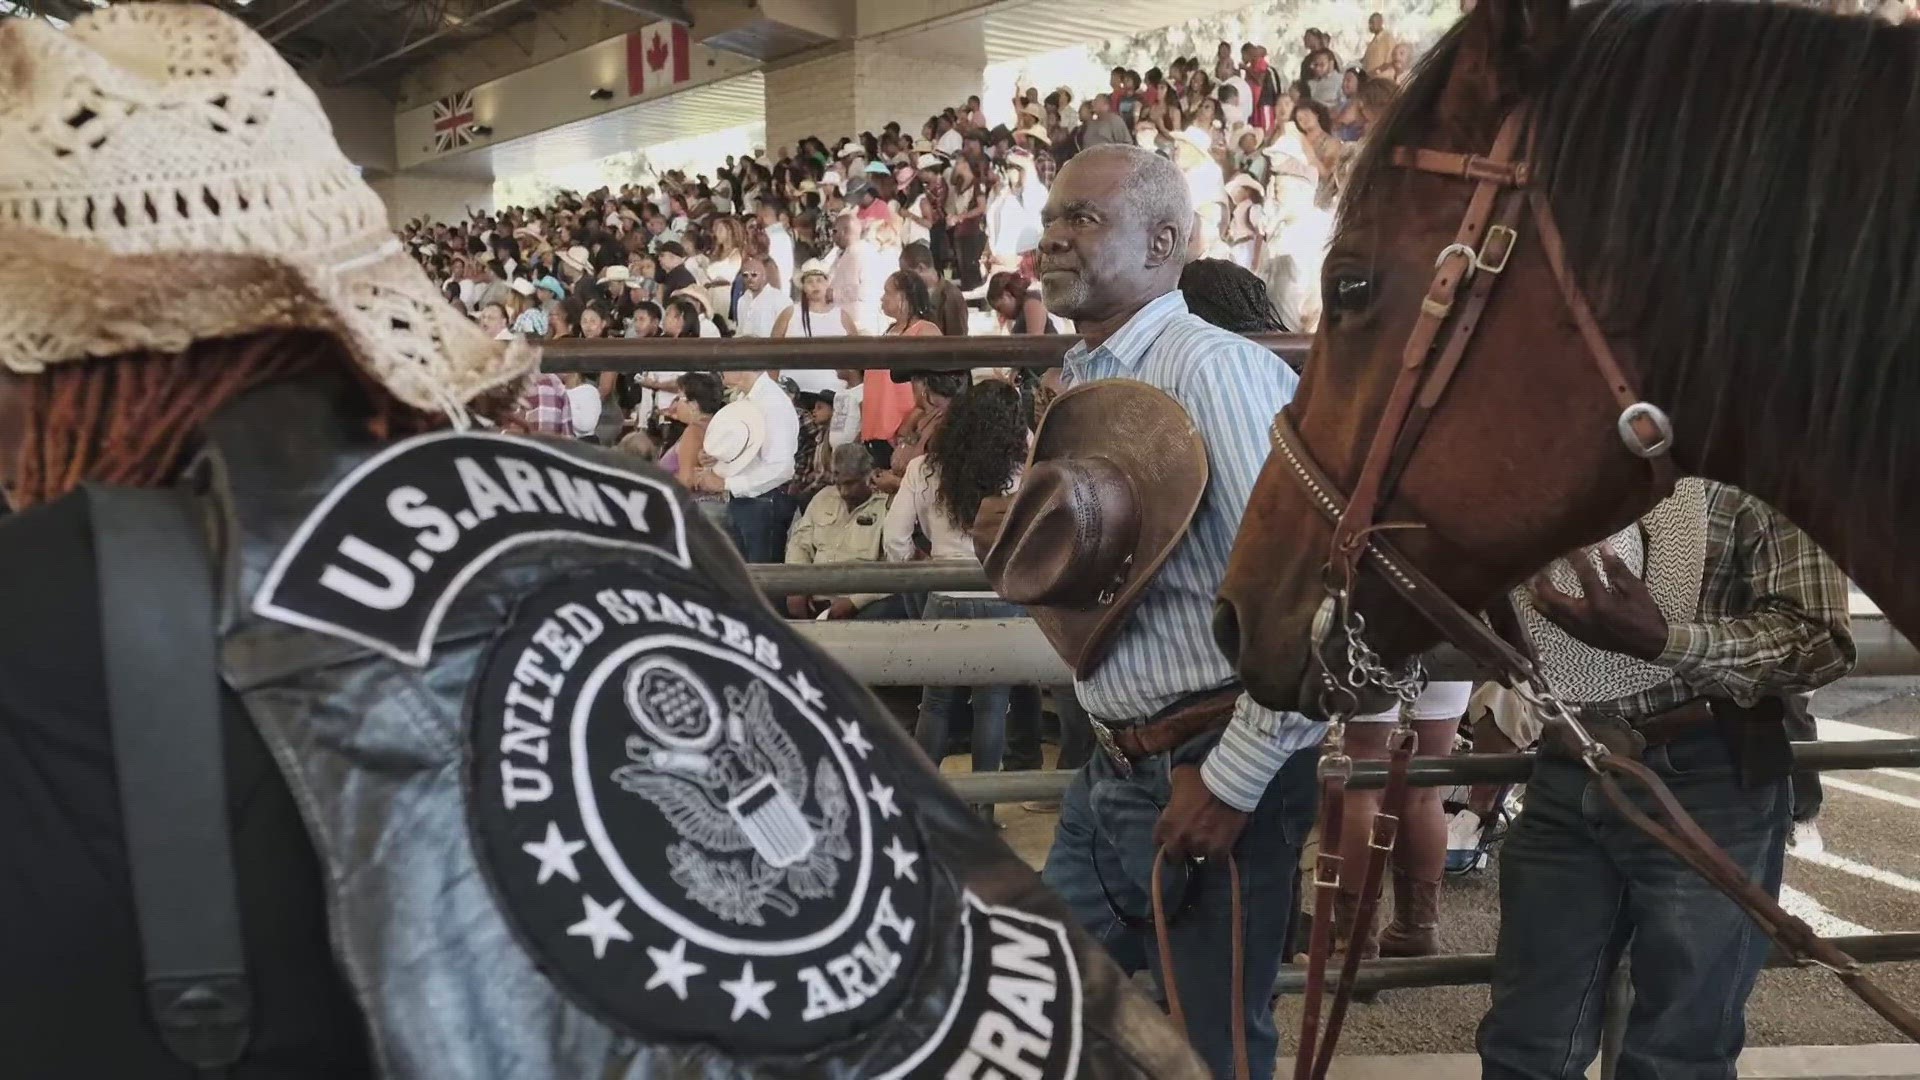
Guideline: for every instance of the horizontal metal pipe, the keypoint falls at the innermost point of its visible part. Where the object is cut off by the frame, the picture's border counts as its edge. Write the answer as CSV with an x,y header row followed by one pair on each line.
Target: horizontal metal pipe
x,y
1028,785
997,652
1474,969
839,579
630,355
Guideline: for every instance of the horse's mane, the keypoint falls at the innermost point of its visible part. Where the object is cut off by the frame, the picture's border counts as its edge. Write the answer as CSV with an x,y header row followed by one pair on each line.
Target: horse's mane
x,y
1739,188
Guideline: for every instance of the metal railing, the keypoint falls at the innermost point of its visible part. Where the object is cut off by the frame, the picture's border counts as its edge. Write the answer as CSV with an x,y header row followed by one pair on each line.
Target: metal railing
x,y
632,355
1013,651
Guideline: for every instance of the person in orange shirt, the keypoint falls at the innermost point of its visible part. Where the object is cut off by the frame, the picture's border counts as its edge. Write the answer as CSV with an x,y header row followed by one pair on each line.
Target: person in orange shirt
x,y
886,403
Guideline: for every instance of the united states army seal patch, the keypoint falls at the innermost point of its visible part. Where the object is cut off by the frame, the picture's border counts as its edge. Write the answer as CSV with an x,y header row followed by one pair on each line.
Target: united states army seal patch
x,y
683,828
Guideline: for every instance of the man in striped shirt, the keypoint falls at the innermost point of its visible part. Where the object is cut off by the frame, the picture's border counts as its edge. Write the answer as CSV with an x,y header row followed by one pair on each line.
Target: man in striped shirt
x,y
1115,235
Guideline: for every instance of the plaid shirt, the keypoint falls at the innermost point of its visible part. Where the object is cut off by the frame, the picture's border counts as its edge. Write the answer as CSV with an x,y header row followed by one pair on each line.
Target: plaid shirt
x,y
1044,167
1772,620
545,410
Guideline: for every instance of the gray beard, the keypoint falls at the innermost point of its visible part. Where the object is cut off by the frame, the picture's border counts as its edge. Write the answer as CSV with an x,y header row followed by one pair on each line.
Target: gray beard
x,y
1065,301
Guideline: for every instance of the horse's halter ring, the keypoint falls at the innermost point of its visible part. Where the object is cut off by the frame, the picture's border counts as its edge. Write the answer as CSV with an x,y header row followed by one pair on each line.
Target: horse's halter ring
x,y
1465,272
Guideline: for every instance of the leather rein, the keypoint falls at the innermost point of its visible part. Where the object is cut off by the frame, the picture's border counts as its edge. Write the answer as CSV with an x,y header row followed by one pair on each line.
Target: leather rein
x,y
1465,274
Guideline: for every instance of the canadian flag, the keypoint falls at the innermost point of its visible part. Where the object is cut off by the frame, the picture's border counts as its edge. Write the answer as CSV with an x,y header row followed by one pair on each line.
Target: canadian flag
x,y
658,57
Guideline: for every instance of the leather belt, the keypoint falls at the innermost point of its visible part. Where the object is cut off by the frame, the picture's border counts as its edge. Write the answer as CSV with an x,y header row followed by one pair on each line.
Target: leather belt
x,y
1126,744
1676,723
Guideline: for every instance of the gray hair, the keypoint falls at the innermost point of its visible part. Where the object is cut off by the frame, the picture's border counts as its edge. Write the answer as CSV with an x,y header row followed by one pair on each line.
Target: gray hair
x,y
851,460
1154,190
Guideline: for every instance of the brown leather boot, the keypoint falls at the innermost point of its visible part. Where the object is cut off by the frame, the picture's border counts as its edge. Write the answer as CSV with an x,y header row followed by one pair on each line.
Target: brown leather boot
x,y
1343,909
1415,930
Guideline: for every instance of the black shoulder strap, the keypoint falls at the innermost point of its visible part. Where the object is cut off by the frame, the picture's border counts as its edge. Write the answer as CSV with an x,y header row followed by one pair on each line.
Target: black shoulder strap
x,y
157,623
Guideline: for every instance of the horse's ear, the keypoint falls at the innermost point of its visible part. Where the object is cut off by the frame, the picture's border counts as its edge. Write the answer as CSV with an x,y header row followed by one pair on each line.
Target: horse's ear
x,y
1504,46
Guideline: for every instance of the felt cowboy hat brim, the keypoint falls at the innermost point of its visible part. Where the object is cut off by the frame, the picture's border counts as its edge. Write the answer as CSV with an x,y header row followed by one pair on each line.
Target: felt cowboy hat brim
x,y
1080,542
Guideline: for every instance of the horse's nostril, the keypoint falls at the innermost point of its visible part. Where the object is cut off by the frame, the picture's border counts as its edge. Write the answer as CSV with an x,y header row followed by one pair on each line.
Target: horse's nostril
x,y
1226,629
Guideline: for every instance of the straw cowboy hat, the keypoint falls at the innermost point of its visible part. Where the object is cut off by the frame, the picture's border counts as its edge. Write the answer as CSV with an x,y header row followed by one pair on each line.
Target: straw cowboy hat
x,y
735,436
617,273
1244,182
1034,131
1117,472
1667,550
813,268
171,179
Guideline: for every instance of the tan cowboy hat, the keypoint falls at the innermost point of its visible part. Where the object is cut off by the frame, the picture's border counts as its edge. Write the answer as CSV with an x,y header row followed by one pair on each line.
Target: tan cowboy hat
x,y
734,437
1117,472
169,176
1034,131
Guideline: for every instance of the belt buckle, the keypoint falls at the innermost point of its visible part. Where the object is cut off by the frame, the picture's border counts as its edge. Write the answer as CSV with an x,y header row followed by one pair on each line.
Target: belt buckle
x,y
1103,735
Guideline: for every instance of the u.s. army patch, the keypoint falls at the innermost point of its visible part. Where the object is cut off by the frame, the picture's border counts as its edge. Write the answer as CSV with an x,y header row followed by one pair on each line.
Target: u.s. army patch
x,y
683,826
381,558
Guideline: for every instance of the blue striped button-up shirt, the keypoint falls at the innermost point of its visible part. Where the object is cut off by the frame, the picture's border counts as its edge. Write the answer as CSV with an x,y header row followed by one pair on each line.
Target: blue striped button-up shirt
x,y
1231,388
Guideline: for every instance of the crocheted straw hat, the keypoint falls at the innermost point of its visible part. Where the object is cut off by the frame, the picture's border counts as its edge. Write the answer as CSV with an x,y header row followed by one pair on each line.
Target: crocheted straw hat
x,y
167,178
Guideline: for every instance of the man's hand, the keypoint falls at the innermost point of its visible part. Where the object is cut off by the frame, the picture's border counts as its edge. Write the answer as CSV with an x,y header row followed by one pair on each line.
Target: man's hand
x,y
841,608
1618,616
800,607
1195,823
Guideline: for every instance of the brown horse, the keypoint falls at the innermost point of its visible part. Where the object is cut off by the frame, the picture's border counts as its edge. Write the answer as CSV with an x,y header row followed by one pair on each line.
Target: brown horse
x,y
1738,188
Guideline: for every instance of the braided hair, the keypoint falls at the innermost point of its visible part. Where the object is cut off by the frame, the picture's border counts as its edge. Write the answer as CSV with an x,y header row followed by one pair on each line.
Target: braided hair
x,y
1230,296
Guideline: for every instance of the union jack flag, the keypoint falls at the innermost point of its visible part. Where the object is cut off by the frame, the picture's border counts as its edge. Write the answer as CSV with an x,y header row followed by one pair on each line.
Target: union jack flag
x,y
453,121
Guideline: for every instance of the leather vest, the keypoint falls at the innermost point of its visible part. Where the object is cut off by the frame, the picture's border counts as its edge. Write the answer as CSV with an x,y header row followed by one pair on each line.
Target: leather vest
x,y
587,807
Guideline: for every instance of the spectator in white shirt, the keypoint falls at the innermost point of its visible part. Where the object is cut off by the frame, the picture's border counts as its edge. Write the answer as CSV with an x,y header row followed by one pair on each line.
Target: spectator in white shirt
x,y
845,427
764,300
759,510
1013,213
779,243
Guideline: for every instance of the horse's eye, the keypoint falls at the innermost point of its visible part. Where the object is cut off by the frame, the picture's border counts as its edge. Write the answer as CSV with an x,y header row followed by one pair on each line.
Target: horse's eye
x,y
1348,294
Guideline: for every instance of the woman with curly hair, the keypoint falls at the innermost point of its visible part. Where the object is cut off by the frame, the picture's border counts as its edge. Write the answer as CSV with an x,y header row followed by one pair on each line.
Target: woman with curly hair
x,y
975,455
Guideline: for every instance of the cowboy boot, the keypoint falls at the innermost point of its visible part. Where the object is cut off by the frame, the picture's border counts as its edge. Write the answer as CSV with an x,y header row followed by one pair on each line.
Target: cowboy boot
x,y
1415,930
1343,909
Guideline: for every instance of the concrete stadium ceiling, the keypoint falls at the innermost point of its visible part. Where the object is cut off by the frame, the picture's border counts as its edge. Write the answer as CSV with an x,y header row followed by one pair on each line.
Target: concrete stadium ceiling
x,y
367,43
1012,31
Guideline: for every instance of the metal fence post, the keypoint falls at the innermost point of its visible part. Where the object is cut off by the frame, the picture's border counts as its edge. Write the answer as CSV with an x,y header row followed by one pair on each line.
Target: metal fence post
x,y
1613,1019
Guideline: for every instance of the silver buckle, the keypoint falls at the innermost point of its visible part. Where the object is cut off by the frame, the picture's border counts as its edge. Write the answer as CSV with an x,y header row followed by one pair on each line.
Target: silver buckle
x,y
1457,248
1645,410
1103,735
1512,241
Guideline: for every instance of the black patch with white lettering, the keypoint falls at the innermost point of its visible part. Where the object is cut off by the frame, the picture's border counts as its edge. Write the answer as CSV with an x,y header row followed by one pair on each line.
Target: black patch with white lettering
x,y
1020,1010
693,837
384,554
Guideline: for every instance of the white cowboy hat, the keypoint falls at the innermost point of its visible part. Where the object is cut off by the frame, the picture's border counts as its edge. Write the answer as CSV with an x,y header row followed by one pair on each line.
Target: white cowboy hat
x,y
578,257
1242,181
523,286
615,272
813,267
933,161
734,437
224,207
852,149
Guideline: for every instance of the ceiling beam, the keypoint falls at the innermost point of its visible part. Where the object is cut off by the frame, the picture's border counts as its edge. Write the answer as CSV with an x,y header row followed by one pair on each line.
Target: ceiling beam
x,y
465,22
670,10
327,7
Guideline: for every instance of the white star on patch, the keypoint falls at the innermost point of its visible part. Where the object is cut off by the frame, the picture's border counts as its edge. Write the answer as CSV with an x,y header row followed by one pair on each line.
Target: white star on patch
x,y
850,734
556,854
601,925
748,995
808,691
882,797
903,860
672,969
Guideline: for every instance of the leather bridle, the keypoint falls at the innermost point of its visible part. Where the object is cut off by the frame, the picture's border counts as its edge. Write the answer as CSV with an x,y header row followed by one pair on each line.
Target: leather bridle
x,y
1449,315
1475,262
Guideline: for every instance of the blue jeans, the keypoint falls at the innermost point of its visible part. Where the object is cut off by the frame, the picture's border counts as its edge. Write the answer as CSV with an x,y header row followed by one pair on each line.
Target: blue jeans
x,y
758,526
1104,849
1580,888
938,704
